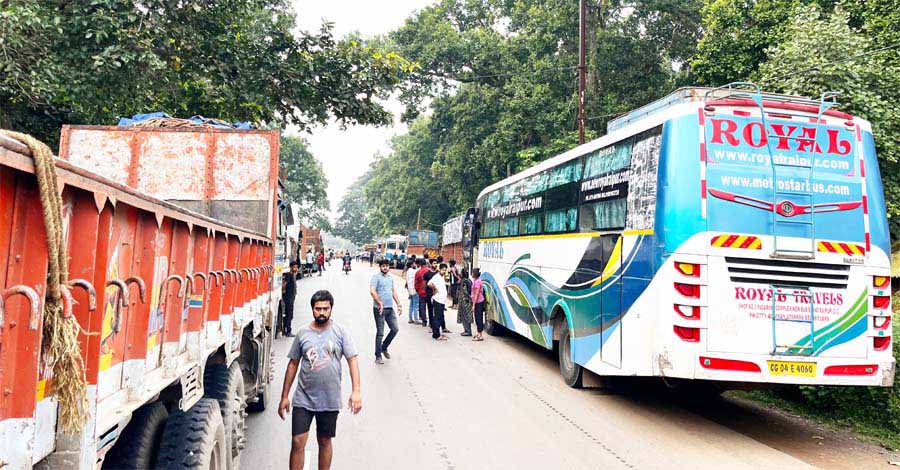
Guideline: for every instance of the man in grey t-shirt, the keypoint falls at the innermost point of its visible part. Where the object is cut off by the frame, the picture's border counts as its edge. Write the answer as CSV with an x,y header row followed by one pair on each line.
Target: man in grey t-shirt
x,y
317,352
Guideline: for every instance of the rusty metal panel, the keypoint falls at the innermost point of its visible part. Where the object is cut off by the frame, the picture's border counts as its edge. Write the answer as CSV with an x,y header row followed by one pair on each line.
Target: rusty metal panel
x,y
204,170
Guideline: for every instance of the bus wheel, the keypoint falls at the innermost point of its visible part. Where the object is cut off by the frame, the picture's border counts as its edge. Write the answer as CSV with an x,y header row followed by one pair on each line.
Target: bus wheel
x,y
137,447
194,439
491,326
572,373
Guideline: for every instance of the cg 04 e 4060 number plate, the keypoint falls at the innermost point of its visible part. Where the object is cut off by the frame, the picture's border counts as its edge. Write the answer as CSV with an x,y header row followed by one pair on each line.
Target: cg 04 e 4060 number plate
x,y
796,369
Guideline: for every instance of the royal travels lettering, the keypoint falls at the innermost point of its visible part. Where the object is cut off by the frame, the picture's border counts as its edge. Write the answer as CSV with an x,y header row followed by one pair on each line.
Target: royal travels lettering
x,y
492,250
788,296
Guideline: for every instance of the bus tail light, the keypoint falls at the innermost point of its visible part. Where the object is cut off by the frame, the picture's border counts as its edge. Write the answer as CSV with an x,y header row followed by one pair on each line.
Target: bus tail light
x,y
688,269
881,302
691,312
863,369
881,343
688,290
691,335
881,282
881,323
728,364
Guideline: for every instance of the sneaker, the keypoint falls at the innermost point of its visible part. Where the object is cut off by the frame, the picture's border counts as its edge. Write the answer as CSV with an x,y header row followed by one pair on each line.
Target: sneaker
x,y
445,330
289,335
410,321
465,334
378,360
385,354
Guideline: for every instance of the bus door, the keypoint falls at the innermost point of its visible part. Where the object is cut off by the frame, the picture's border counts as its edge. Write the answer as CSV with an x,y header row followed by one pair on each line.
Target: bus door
x,y
470,237
611,299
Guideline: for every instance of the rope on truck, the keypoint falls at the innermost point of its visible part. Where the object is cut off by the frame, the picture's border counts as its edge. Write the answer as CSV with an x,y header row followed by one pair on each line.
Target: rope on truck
x,y
62,345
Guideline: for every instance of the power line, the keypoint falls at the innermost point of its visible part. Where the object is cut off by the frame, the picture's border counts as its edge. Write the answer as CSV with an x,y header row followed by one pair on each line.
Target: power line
x,y
845,59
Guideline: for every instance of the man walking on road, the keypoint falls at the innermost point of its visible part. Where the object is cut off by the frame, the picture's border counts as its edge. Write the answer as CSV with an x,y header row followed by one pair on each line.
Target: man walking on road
x,y
439,299
310,260
288,293
317,352
382,289
321,262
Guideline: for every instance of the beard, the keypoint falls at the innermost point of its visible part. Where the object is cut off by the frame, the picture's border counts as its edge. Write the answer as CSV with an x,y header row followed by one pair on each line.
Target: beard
x,y
321,319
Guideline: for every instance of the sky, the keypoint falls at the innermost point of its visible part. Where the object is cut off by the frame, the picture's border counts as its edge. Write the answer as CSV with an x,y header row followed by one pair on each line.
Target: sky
x,y
346,154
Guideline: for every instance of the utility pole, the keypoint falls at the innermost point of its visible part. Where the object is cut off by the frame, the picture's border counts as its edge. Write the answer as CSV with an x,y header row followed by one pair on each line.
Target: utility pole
x,y
419,219
582,68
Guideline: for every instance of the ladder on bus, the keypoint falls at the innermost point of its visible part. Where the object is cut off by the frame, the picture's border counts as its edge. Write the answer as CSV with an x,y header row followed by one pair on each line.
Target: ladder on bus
x,y
786,221
800,293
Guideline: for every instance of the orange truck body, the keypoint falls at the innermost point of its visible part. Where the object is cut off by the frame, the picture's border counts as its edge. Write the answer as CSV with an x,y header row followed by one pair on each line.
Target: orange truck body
x,y
171,233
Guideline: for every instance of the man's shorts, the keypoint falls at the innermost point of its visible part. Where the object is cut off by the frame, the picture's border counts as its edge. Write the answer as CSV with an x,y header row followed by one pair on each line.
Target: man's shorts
x,y
326,421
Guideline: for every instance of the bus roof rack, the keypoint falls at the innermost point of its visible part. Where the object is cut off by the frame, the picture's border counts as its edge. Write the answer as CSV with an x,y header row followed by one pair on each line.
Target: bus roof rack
x,y
739,90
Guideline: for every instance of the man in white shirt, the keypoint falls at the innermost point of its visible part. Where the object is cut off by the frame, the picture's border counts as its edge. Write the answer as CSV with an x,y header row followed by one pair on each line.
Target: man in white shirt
x,y
439,301
411,290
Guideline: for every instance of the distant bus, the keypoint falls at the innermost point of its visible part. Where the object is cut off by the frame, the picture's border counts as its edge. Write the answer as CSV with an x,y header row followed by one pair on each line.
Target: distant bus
x,y
393,249
724,235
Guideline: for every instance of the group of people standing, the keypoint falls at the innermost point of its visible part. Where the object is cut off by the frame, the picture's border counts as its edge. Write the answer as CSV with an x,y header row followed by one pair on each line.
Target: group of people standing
x,y
427,283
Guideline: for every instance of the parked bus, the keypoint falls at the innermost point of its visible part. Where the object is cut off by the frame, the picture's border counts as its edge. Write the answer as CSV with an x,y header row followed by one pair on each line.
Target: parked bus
x,y
717,234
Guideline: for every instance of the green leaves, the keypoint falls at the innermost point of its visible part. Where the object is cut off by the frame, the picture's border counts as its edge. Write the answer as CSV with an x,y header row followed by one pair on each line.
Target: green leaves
x,y
238,60
304,181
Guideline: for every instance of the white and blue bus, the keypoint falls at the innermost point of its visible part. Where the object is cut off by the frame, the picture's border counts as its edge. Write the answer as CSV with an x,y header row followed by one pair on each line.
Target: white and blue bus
x,y
717,234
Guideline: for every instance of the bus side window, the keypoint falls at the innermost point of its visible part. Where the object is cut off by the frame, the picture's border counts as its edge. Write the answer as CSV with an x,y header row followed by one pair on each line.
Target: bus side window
x,y
603,215
509,227
530,224
561,220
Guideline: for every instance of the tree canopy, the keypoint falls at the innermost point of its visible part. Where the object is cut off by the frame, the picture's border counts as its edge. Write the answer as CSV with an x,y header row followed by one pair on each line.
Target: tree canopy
x,y
238,60
304,181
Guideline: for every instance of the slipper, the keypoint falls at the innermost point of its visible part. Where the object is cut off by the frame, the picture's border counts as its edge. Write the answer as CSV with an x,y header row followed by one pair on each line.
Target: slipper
x,y
477,338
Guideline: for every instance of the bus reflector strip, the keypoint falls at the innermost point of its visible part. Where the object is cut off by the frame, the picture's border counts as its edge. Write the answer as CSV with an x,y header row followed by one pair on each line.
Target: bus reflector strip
x,y
736,241
728,364
864,369
691,335
842,248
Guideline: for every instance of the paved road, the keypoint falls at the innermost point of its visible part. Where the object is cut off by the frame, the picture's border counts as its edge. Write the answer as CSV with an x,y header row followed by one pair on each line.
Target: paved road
x,y
500,404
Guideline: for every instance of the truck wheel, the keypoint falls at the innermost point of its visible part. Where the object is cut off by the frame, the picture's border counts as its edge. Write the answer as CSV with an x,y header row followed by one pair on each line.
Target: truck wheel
x,y
137,446
572,373
226,385
194,439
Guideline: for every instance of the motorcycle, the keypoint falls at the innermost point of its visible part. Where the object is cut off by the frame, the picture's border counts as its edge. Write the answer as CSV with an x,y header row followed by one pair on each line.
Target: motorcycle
x,y
346,267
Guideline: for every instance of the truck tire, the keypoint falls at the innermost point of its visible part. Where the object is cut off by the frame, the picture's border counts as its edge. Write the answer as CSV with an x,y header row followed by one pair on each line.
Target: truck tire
x,y
572,373
194,439
226,385
137,447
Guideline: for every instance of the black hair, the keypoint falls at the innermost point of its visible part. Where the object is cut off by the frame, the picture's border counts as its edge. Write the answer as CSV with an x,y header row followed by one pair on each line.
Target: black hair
x,y
294,263
476,273
384,262
440,259
321,296
442,266
464,273
452,262
420,261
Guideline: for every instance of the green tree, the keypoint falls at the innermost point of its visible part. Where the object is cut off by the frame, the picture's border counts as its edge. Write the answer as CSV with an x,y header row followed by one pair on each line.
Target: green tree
x,y
354,221
304,181
239,60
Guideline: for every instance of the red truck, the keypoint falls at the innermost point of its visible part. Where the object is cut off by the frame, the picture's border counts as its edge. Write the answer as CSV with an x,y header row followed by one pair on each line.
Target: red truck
x,y
170,236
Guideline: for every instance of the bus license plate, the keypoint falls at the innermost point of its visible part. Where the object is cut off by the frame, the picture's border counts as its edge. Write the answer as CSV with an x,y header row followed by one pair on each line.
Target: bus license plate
x,y
796,369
